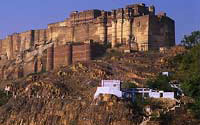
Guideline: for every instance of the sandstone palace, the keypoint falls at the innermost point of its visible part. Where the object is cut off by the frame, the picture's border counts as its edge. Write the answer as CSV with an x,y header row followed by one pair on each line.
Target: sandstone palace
x,y
135,26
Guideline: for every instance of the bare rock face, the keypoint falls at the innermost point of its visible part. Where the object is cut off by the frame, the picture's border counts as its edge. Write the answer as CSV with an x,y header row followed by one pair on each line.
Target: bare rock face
x,y
65,96
39,112
69,110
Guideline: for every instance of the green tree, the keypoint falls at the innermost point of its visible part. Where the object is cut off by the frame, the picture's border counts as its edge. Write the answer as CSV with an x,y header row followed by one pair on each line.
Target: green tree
x,y
4,97
188,65
188,69
161,82
128,85
191,86
191,40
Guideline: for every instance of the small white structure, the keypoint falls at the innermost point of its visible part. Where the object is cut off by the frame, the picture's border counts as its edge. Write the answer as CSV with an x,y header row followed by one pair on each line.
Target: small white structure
x,y
168,95
111,83
161,94
165,73
7,88
113,87
154,94
109,87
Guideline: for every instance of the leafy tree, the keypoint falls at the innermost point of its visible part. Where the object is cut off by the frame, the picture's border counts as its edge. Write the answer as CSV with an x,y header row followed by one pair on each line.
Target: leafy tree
x,y
160,83
4,97
191,40
188,69
191,86
196,107
188,65
128,85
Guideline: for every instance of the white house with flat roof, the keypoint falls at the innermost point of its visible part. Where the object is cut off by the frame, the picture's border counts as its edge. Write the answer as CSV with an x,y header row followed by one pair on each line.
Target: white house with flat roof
x,y
114,87
109,87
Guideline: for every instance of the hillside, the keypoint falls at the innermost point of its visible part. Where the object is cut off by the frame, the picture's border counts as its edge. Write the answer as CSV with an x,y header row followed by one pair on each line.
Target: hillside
x,y
65,96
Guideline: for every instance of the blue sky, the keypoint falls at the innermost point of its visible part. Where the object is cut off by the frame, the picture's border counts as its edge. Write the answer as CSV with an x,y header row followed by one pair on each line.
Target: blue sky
x,y
22,15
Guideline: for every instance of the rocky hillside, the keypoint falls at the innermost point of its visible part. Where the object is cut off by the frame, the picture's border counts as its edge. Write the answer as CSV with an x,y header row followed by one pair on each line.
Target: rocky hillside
x,y
65,96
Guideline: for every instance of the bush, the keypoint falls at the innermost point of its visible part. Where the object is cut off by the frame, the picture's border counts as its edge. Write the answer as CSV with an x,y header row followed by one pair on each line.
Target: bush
x,y
188,71
128,85
191,86
195,107
140,103
191,40
4,97
161,82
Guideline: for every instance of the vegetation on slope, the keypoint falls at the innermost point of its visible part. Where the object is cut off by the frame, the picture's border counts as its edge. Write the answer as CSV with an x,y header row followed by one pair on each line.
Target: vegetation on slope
x,y
4,97
160,83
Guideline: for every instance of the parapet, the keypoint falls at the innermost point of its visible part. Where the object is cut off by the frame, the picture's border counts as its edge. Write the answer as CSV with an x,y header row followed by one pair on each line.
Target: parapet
x,y
162,14
133,10
152,10
85,15
136,5
57,24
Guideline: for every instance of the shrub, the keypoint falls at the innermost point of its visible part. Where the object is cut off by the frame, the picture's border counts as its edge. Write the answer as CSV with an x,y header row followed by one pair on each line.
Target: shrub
x,y
128,85
195,107
4,97
161,82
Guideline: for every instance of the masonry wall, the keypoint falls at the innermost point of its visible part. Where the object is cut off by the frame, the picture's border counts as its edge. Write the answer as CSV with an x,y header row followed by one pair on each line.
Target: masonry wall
x,y
16,44
4,46
67,54
50,58
117,27
40,36
81,53
27,40
82,32
161,32
150,31
141,32
58,35
62,56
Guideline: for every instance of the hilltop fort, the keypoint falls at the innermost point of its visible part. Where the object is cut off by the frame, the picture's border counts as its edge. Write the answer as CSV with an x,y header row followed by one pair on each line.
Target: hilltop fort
x,y
135,26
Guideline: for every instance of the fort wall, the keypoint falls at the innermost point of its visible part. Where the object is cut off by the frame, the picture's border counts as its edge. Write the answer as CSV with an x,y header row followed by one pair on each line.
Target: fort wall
x,y
116,27
50,58
62,56
136,23
141,32
81,53
161,32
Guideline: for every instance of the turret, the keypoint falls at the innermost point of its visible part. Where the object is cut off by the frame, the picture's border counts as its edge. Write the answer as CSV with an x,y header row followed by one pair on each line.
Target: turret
x,y
152,10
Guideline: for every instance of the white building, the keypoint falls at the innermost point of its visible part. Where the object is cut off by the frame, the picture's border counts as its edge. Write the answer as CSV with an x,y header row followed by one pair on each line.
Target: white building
x,y
146,92
109,87
161,94
165,73
114,87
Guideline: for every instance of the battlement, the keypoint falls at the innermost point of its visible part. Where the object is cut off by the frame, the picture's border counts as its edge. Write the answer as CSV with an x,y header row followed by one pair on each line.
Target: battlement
x,y
133,10
136,5
85,15
139,9
135,26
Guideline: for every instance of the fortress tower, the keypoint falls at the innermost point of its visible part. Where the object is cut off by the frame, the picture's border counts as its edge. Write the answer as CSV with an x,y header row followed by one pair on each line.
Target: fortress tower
x,y
61,43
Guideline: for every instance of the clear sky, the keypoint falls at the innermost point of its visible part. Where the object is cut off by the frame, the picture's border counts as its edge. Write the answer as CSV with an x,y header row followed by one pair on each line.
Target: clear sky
x,y
22,15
